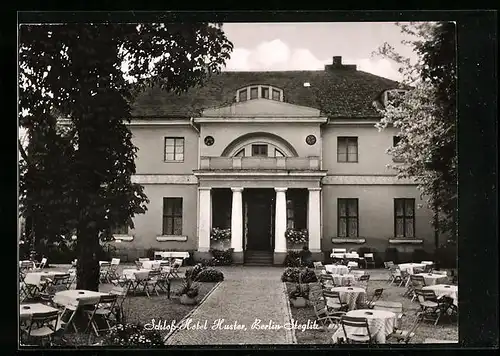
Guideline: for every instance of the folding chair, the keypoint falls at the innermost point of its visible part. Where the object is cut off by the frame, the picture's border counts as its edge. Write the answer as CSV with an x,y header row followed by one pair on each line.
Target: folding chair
x,y
324,315
363,281
326,280
104,310
44,325
377,294
395,275
405,336
388,264
140,280
60,282
72,277
394,307
163,280
405,278
138,264
429,305
174,271
40,265
23,292
416,282
152,282
121,293
369,260
72,308
446,304
428,269
104,272
335,301
356,338
113,269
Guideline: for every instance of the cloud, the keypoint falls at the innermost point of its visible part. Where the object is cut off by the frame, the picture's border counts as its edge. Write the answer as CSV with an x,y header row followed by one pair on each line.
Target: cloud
x,y
277,55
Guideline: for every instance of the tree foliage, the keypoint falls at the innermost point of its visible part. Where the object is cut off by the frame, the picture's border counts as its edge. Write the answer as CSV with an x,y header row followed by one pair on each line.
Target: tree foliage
x,y
426,117
77,176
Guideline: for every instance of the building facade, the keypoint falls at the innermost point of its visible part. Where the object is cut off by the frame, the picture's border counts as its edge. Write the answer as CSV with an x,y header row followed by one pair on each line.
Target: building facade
x,y
262,152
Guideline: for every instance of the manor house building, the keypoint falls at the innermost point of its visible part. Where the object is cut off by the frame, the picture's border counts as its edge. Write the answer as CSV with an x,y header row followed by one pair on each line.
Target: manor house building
x,y
262,152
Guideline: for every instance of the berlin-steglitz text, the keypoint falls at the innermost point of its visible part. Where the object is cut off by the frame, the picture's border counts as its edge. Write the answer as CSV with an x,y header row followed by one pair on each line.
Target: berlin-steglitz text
x,y
223,324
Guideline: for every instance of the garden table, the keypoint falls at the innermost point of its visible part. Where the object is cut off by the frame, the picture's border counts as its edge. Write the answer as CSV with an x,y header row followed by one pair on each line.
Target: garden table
x,y
427,263
352,296
408,267
28,309
36,278
445,290
337,269
149,265
27,263
433,278
129,273
171,254
76,297
343,279
357,273
380,323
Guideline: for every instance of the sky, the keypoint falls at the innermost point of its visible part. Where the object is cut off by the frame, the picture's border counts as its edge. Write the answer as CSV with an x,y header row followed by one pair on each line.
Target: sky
x,y
309,46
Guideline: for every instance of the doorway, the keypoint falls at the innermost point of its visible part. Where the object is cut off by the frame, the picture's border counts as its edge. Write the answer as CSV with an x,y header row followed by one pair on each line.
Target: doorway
x,y
259,219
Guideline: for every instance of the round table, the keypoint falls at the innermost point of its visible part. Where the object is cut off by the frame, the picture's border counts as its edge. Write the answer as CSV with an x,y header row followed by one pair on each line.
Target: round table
x,y
343,279
151,265
77,297
444,290
352,296
35,278
408,267
380,323
433,278
337,269
129,273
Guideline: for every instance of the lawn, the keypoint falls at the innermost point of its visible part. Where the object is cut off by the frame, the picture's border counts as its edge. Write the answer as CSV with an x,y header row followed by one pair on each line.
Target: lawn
x,y
445,330
141,309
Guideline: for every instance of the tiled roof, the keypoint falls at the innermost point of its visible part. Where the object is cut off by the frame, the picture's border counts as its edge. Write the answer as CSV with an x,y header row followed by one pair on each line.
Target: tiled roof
x,y
336,92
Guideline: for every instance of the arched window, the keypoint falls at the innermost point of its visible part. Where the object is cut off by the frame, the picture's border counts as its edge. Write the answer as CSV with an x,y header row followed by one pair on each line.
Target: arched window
x,y
259,92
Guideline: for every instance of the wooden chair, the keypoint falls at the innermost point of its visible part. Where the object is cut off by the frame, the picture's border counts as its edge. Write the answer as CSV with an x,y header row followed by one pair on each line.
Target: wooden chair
x,y
428,269
416,282
355,322
363,281
395,275
104,309
104,272
326,281
405,336
336,302
429,305
121,296
377,294
324,315
388,264
41,265
44,325
369,260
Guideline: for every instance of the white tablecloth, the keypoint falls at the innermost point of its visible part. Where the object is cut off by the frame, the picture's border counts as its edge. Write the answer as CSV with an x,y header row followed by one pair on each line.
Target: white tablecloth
x,y
343,279
171,254
27,310
380,323
433,278
357,273
77,296
344,255
129,273
427,263
31,263
151,264
352,296
34,278
408,267
442,290
337,269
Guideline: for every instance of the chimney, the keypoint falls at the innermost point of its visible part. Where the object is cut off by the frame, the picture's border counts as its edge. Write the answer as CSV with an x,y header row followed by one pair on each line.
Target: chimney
x,y
337,64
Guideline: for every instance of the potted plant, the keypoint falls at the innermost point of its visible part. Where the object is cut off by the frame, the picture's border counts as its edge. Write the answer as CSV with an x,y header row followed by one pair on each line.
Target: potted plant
x,y
299,295
188,292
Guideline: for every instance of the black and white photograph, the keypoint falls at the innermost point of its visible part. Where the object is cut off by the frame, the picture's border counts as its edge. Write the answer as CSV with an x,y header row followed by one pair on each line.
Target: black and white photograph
x,y
195,183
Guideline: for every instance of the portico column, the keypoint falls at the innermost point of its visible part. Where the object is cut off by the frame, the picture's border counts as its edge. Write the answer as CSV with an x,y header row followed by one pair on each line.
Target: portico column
x,y
237,220
205,219
280,220
314,219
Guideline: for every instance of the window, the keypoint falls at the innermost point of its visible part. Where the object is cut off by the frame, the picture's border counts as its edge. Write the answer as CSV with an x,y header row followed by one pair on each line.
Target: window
x,y
172,216
404,217
290,216
395,141
347,149
174,149
241,153
242,94
259,150
120,230
276,95
265,92
347,225
254,93
278,153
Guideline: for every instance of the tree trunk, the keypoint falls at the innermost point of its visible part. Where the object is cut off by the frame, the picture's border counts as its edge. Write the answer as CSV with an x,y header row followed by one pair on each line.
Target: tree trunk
x,y
87,269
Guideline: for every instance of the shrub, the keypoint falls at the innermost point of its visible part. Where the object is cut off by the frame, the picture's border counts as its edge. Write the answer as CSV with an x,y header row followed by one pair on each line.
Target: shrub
x,y
193,272
150,253
292,274
132,335
297,236
190,260
209,275
301,290
420,255
221,257
291,259
188,288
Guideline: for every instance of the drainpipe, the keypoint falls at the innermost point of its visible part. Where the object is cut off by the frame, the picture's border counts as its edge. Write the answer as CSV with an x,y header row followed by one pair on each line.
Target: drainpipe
x,y
191,121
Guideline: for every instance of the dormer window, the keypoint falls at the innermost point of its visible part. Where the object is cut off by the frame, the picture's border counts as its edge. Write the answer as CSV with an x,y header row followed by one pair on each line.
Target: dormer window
x,y
259,92
393,96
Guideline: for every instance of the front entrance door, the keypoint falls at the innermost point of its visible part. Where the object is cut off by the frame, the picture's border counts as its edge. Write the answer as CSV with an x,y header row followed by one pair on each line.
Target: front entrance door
x,y
259,205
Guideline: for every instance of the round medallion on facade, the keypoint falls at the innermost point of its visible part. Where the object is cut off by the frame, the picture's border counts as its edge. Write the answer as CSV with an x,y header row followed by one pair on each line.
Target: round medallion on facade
x,y
209,140
311,140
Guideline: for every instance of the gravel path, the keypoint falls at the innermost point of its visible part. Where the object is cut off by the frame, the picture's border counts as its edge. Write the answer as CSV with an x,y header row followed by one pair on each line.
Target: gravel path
x,y
239,311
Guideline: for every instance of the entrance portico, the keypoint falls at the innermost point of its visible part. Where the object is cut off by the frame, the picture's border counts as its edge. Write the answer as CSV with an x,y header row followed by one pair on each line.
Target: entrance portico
x,y
258,218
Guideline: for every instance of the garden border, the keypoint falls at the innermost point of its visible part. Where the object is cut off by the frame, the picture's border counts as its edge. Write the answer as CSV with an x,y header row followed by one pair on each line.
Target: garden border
x,y
290,334
176,327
